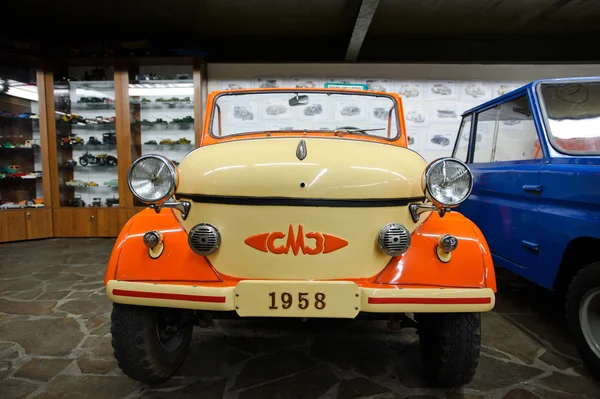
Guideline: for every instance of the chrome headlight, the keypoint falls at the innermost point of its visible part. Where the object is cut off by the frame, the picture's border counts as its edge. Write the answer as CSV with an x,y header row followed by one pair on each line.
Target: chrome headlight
x,y
448,182
153,179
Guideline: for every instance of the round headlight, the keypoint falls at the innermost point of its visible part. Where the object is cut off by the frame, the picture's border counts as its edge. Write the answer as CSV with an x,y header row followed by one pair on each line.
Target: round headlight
x,y
448,182
152,178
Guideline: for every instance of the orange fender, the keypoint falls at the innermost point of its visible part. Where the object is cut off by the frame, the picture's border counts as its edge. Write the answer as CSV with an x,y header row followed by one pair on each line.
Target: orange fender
x,y
470,266
130,260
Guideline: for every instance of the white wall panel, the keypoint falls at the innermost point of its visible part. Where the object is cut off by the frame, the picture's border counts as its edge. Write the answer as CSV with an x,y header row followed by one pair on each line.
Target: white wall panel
x,y
439,92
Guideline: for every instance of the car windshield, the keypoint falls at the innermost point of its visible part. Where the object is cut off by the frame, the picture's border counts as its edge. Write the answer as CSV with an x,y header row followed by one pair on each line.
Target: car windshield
x,y
573,116
255,112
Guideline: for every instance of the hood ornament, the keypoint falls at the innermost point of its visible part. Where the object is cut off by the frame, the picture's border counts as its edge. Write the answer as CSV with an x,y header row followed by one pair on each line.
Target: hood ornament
x,y
301,150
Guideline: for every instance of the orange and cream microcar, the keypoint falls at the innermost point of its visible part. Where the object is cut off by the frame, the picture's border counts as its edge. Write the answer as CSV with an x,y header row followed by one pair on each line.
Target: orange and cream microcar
x,y
300,203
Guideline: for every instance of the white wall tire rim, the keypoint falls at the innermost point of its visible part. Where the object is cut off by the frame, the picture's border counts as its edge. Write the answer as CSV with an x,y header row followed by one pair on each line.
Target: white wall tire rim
x,y
589,319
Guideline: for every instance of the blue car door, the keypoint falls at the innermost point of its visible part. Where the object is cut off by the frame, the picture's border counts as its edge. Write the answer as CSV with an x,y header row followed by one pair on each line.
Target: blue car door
x,y
505,160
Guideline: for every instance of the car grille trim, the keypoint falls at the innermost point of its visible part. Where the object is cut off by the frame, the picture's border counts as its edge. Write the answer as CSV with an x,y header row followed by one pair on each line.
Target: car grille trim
x,y
289,201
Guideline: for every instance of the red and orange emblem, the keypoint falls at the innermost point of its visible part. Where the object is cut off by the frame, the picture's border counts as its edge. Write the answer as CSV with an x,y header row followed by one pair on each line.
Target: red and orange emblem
x,y
312,243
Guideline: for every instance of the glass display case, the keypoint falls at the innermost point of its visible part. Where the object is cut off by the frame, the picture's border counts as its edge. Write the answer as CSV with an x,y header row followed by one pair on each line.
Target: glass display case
x,y
86,133
20,152
162,111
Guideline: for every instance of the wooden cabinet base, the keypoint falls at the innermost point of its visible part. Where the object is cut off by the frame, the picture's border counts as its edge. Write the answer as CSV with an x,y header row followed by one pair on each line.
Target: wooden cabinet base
x,y
111,221
75,222
39,223
30,224
12,226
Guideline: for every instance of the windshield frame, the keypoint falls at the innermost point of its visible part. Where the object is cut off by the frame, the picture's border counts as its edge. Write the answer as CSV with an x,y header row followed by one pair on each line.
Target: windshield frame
x,y
293,91
544,114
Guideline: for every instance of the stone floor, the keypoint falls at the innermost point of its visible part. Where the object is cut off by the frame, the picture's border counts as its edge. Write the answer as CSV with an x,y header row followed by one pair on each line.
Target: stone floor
x,y
55,343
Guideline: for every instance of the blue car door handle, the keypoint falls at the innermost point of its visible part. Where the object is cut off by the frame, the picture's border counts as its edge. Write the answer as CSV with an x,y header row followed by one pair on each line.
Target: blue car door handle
x,y
531,245
532,188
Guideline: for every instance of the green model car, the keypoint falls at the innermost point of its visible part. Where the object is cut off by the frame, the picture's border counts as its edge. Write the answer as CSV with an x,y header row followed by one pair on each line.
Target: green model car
x,y
112,183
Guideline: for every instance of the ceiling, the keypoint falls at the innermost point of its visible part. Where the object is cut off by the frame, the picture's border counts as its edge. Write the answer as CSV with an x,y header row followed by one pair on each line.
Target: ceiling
x,y
508,31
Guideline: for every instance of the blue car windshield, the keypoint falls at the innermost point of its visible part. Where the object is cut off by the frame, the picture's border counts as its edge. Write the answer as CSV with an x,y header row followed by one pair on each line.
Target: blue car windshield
x,y
573,116
290,111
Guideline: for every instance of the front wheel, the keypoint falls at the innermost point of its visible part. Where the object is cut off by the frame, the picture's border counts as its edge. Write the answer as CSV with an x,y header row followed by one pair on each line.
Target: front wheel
x,y
83,161
450,346
150,344
583,314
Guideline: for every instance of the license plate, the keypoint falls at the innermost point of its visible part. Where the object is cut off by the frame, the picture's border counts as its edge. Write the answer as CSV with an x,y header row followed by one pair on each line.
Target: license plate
x,y
335,299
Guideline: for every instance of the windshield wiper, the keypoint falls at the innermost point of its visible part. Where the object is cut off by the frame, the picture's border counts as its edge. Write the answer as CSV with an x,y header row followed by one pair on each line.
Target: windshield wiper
x,y
364,131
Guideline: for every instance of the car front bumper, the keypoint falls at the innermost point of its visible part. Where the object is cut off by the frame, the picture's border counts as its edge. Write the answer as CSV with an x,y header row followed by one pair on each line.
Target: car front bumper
x,y
336,299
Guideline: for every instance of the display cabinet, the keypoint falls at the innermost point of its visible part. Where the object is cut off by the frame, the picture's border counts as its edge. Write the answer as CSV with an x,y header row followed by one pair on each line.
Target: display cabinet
x,y
161,104
86,140
22,197
68,139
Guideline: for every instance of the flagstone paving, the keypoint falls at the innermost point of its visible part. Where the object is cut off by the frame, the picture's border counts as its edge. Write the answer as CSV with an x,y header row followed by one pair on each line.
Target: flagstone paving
x,y
55,342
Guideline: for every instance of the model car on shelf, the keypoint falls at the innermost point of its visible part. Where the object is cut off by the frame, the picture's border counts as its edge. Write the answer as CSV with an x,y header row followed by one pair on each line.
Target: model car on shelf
x,y
33,203
33,143
76,201
27,115
95,100
185,119
32,175
96,201
6,114
11,205
73,119
10,169
166,142
183,141
109,138
112,183
93,141
92,184
441,89
76,183
8,144
151,142
254,224
111,201
537,191
72,139
70,163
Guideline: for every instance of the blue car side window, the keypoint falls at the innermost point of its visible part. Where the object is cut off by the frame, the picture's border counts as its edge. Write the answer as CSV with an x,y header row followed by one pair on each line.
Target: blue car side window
x,y
506,132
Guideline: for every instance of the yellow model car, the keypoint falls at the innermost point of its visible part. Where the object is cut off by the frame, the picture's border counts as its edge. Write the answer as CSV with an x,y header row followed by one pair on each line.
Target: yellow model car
x,y
300,214
92,184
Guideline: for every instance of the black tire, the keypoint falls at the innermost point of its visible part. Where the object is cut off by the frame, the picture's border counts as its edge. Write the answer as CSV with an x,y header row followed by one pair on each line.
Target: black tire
x,y
138,349
450,346
585,281
83,161
29,203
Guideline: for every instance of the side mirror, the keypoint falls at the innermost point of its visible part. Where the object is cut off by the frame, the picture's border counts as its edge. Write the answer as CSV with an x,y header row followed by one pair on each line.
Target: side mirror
x,y
298,100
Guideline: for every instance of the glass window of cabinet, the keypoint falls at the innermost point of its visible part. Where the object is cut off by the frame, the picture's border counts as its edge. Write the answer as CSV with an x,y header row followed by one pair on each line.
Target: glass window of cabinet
x,y
162,111
20,152
86,134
